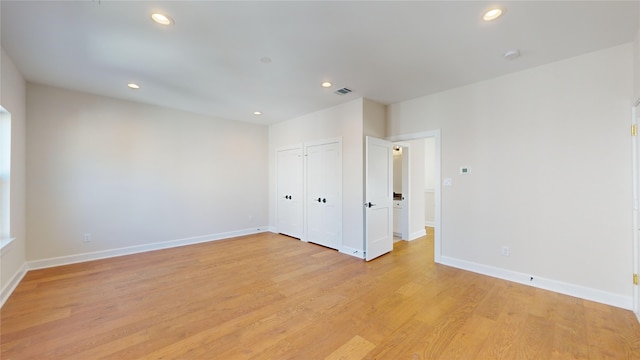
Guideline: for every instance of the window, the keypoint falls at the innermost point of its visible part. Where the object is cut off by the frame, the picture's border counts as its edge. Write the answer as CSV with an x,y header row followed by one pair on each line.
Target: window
x,y
5,176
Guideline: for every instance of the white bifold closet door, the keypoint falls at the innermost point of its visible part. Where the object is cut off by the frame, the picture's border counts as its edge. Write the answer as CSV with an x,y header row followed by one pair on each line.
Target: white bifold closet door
x,y
324,193
290,173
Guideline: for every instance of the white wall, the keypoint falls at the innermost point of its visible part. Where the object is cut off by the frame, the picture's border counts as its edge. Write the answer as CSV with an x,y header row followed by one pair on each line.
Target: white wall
x,y
12,98
132,174
397,171
429,181
374,119
429,164
416,188
549,150
344,121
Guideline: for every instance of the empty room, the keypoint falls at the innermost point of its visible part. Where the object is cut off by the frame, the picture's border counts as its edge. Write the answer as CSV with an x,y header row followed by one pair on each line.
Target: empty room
x,y
319,179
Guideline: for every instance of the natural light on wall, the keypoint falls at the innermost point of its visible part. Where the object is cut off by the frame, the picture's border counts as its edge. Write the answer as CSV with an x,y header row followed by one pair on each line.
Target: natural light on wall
x,y
5,175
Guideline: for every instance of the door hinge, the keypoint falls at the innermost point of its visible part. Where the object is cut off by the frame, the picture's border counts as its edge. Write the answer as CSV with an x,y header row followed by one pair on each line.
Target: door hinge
x,y
635,279
634,130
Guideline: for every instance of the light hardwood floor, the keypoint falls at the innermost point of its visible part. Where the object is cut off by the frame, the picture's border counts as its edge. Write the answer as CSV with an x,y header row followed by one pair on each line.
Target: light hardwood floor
x,y
269,296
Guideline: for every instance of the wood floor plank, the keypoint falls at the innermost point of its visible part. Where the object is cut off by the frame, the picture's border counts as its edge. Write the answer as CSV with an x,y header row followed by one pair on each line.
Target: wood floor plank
x,y
354,349
469,339
268,296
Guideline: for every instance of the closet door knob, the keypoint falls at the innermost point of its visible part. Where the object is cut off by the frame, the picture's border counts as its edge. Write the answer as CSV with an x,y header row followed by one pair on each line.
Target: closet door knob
x,y
324,200
319,200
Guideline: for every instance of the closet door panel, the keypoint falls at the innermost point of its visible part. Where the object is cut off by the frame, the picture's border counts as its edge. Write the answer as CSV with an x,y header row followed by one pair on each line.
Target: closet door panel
x,y
290,174
324,194
333,195
315,190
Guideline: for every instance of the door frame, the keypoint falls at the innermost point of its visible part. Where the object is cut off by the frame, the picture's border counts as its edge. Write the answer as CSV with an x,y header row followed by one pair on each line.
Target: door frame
x,y
436,135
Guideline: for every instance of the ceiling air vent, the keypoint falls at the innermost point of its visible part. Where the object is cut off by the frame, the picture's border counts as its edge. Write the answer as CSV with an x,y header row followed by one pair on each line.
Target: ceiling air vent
x,y
343,91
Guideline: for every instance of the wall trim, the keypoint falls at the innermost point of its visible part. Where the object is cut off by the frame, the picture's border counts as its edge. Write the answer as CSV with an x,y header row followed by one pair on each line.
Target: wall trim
x,y
104,254
429,223
591,294
12,284
4,242
352,252
417,234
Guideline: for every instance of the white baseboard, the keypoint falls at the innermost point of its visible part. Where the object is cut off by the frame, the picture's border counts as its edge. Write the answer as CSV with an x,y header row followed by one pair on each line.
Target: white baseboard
x,y
273,229
617,300
352,251
103,254
12,284
417,234
429,224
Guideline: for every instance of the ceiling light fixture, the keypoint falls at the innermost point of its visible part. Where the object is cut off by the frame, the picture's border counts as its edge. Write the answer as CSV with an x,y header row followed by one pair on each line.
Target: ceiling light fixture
x,y
133,86
326,84
512,54
492,14
257,113
162,19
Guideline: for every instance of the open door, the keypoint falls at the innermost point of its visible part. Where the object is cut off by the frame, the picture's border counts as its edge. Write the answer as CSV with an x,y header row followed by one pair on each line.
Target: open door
x,y
378,197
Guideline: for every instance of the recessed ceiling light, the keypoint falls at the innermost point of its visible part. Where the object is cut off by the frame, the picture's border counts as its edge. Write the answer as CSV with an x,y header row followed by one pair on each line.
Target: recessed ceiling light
x,y
133,86
492,14
326,84
162,19
512,54
257,113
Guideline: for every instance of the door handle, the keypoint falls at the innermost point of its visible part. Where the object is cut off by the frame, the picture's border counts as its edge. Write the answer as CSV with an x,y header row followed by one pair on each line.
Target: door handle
x,y
324,200
369,204
319,200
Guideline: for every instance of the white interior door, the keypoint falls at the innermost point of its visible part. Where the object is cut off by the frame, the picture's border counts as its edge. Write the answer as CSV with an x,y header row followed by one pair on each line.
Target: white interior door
x,y
332,200
378,197
289,192
324,194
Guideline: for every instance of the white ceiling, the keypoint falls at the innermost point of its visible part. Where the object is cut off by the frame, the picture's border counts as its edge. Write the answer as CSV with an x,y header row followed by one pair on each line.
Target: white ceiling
x,y
209,61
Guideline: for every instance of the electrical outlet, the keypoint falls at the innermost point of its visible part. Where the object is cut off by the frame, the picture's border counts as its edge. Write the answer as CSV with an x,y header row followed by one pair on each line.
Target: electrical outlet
x,y
86,237
505,251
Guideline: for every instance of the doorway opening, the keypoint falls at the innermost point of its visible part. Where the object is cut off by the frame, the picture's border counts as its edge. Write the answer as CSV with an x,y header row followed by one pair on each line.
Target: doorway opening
x,y
420,178
401,195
